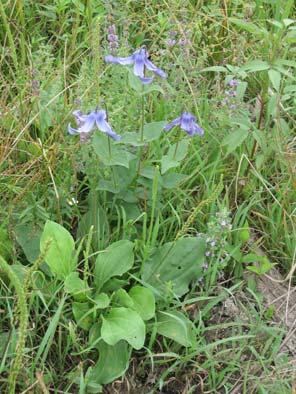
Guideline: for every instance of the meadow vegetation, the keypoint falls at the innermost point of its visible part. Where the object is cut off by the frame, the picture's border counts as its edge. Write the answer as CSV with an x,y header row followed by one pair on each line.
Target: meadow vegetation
x,y
148,184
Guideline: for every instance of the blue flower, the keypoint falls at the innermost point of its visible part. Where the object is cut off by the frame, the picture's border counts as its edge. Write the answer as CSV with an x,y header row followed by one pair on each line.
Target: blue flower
x,y
187,122
140,61
86,123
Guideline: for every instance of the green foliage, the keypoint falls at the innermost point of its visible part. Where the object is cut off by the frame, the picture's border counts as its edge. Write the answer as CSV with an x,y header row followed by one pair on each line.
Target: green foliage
x,y
113,362
123,323
117,259
176,264
176,326
144,253
60,256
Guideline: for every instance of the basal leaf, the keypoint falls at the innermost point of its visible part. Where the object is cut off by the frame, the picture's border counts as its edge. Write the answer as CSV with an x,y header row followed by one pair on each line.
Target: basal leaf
x,y
175,263
123,323
117,259
60,253
113,362
176,326
76,286
144,301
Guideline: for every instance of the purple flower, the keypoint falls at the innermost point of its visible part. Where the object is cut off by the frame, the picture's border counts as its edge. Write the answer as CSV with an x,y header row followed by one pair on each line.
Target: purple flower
x,y
233,83
171,42
140,61
187,122
230,93
111,29
86,123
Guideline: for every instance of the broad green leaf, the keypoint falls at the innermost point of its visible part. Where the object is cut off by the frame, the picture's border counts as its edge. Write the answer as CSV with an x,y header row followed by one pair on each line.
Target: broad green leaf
x,y
116,155
175,263
114,284
101,300
133,139
80,310
173,179
122,177
60,253
152,131
28,237
275,79
135,83
256,65
123,323
144,301
117,259
113,362
176,326
235,139
122,298
177,152
76,287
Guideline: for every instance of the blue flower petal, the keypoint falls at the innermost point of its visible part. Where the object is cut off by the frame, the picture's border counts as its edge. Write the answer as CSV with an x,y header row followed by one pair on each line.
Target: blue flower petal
x,y
187,121
139,61
120,60
173,123
79,117
146,80
72,131
155,69
197,130
88,124
102,125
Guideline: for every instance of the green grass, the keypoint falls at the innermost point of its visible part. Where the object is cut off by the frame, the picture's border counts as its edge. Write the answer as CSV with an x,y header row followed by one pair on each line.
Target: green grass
x,y
243,171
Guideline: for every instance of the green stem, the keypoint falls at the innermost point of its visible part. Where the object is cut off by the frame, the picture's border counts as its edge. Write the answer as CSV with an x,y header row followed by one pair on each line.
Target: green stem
x,y
255,144
176,148
112,169
142,116
109,148
142,128
87,253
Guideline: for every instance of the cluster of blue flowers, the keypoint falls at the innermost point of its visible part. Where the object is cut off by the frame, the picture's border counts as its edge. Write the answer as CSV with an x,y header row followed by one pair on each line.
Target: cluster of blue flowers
x,y
98,118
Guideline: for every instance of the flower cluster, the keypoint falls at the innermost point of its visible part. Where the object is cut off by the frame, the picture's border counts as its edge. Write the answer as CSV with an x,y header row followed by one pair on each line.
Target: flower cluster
x,y
112,38
218,230
230,95
175,39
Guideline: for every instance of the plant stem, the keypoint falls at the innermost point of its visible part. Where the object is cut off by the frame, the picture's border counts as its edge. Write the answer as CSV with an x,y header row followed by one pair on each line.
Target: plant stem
x,y
112,169
142,114
255,144
142,127
176,148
